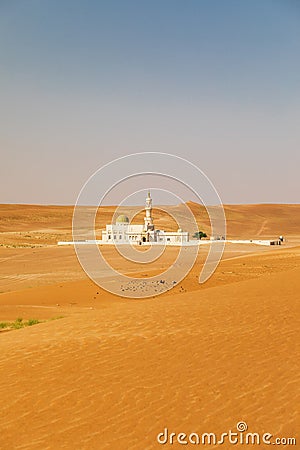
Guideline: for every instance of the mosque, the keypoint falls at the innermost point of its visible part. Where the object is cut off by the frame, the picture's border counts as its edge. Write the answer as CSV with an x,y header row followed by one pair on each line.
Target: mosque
x,y
123,232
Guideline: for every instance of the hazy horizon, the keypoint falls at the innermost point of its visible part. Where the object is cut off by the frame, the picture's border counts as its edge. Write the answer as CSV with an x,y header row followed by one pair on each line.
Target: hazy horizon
x,y
157,205
83,83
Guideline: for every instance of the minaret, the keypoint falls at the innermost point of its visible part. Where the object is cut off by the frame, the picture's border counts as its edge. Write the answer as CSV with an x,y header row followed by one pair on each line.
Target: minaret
x,y
148,217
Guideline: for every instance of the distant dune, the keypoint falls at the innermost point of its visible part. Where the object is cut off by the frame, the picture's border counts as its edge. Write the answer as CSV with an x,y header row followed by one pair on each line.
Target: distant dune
x,y
38,224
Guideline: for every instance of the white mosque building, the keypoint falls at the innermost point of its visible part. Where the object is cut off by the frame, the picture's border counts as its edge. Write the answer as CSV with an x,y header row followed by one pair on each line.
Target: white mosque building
x,y
123,232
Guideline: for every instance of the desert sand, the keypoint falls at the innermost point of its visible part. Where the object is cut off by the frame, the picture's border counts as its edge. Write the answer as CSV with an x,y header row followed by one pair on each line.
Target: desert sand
x,y
112,373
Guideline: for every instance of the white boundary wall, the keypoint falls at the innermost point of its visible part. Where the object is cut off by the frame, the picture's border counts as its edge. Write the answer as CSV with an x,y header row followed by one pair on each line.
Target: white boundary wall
x,y
167,243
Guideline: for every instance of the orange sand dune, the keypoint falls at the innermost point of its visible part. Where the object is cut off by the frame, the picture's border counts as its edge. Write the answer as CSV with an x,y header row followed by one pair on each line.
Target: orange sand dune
x,y
31,267
115,376
112,373
262,220
36,225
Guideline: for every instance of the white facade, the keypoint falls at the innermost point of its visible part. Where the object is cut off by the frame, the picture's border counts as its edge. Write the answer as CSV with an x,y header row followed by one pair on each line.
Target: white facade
x,y
123,232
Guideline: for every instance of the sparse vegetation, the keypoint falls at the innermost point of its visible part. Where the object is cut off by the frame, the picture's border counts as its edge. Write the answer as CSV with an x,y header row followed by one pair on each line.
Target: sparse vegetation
x,y
33,322
199,235
20,323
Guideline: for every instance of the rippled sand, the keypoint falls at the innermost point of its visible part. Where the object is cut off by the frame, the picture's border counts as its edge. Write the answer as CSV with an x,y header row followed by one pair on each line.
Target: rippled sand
x,y
113,373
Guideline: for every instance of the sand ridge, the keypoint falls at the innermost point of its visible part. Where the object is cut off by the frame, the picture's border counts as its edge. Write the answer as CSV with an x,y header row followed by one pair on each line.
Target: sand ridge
x,y
34,225
119,375
111,373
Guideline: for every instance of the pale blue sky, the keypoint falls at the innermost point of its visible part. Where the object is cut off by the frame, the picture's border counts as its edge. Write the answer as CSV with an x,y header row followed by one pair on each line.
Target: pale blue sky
x,y
217,82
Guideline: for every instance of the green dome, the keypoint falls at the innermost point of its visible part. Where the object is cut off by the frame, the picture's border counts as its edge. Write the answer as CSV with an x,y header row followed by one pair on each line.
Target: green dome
x,y
122,219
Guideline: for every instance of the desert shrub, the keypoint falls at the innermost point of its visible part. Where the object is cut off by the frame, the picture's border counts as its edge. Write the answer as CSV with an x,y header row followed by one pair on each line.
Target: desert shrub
x,y
32,322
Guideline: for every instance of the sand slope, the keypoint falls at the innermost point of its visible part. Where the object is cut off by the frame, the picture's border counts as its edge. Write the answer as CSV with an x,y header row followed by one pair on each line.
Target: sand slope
x,y
113,373
36,225
114,377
